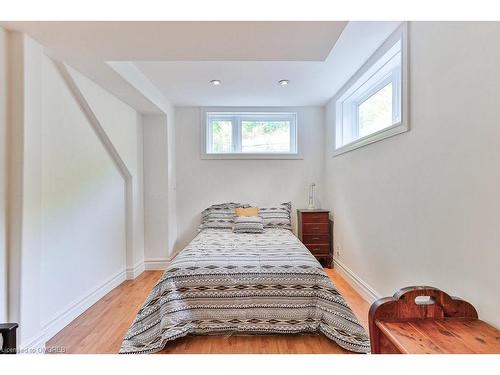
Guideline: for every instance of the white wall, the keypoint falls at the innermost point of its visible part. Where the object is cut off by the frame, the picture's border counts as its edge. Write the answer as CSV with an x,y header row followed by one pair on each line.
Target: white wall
x,y
83,201
172,179
201,183
155,188
123,125
67,195
423,207
159,169
24,184
3,175
159,189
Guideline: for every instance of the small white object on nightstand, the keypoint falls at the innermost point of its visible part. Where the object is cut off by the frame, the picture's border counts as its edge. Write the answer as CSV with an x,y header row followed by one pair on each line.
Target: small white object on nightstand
x,y
311,205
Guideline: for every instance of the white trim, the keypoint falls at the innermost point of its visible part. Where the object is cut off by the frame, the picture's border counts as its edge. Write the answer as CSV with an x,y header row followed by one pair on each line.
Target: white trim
x,y
295,132
403,125
35,345
51,328
157,264
251,156
374,137
76,309
133,272
366,291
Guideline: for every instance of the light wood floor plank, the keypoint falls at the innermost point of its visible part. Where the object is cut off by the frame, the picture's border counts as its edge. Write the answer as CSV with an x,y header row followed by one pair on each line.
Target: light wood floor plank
x,y
101,328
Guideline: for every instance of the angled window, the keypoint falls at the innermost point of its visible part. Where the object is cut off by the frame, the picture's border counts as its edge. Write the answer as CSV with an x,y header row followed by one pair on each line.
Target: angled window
x,y
372,105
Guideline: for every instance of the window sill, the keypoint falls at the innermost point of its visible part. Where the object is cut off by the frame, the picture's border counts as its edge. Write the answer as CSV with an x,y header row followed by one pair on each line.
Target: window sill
x,y
372,138
239,156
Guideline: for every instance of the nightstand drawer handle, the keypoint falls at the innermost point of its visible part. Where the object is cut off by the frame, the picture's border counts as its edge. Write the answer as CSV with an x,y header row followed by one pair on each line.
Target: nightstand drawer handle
x,y
315,238
317,249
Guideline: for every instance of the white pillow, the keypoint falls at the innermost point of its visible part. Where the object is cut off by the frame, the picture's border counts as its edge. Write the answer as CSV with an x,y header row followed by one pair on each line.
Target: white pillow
x,y
278,216
248,224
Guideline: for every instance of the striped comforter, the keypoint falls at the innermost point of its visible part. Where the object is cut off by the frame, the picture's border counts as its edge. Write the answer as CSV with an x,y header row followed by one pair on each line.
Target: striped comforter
x,y
224,283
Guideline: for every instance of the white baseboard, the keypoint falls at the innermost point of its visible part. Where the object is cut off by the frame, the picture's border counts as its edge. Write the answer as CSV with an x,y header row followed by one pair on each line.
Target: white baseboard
x,y
157,264
50,329
133,272
35,345
366,291
62,320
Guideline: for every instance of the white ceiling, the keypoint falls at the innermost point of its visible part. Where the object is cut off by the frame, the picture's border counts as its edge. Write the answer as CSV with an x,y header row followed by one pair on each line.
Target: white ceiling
x,y
186,41
180,58
255,83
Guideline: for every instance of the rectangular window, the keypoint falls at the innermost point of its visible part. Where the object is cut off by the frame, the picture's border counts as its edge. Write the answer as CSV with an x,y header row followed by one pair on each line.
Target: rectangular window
x,y
371,105
244,134
222,136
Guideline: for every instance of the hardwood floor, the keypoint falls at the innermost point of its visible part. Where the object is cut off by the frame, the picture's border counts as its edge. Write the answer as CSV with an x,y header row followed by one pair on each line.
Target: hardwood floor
x,y
101,328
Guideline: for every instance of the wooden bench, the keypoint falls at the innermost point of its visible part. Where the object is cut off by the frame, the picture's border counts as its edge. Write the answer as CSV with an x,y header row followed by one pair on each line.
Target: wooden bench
x,y
426,320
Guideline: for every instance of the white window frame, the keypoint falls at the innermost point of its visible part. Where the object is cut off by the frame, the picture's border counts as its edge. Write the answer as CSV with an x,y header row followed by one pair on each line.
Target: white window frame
x,y
366,73
245,114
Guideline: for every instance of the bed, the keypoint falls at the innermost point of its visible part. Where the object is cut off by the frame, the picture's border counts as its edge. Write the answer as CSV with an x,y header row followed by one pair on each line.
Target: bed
x,y
240,283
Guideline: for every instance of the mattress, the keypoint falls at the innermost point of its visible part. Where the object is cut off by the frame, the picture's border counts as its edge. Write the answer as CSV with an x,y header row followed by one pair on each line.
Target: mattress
x,y
229,283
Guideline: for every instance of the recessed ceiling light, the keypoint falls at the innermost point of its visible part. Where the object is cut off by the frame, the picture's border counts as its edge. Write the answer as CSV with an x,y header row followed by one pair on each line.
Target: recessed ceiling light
x,y
215,82
284,82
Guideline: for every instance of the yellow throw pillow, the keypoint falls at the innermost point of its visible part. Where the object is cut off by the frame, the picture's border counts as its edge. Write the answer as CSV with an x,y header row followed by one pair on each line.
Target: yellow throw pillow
x,y
250,211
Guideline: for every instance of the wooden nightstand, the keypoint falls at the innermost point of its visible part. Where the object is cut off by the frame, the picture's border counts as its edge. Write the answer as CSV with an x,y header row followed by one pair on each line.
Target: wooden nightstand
x,y
316,233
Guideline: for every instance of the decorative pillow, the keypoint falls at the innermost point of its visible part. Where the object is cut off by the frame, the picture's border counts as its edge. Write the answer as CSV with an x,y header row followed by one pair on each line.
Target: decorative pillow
x,y
248,224
219,216
250,211
277,216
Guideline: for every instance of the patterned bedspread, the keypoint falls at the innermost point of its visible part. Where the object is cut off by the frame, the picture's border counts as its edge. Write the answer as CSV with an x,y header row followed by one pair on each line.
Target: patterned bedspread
x,y
225,283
